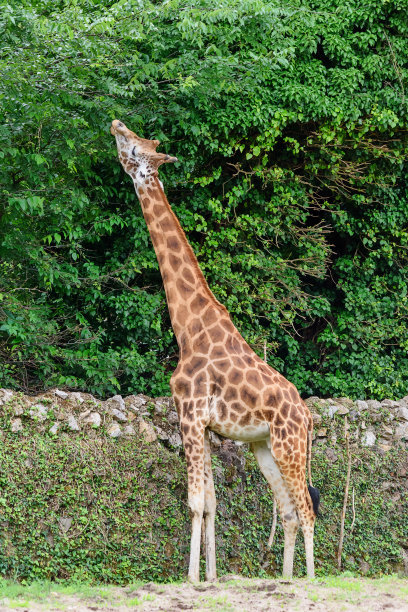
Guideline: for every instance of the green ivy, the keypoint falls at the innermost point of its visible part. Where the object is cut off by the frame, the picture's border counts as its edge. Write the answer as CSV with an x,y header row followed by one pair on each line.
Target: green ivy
x,y
127,501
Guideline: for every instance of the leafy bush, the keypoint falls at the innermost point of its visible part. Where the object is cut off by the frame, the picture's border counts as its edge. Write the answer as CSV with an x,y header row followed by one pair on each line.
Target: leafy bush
x,y
289,120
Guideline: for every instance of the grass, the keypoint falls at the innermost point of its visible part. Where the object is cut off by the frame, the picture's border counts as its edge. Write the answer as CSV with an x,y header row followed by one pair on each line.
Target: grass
x,y
16,595
350,588
343,589
342,582
219,603
44,589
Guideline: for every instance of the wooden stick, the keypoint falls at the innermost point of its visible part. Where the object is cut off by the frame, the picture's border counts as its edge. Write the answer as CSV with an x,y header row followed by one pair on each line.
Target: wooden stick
x,y
354,512
343,513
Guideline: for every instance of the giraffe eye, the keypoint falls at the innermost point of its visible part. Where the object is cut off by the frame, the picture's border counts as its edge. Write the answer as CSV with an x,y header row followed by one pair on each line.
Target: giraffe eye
x,y
134,151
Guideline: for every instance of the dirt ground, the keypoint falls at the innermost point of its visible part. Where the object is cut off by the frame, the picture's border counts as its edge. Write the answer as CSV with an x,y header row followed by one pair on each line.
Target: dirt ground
x,y
331,594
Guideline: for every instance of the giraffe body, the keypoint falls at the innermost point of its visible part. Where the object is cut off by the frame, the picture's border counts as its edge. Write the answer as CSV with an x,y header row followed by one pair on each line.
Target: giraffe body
x,y
220,384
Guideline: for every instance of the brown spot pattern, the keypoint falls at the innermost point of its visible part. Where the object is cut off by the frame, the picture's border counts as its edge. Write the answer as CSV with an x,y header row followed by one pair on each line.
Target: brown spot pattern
x,y
248,396
253,378
235,376
188,276
222,364
200,385
218,352
196,326
195,364
198,303
166,224
210,316
238,407
201,343
174,261
232,345
230,394
228,326
173,243
159,210
184,289
216,334
153,193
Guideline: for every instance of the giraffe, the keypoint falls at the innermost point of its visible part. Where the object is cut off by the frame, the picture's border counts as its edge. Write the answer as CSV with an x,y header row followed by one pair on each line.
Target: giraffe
x,y
220,383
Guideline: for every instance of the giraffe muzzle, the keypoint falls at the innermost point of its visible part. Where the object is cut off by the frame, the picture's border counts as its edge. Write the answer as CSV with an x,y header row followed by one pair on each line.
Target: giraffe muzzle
x,y
168,159
118,127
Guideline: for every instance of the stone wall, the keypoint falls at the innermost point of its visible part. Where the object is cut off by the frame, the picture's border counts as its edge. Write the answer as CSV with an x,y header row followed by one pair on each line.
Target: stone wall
x,y
384,424
370,422
97,490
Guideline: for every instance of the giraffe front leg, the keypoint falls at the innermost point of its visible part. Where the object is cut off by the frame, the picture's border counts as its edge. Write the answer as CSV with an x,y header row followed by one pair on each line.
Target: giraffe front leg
x,y
193,441
196,504
293,474
209,513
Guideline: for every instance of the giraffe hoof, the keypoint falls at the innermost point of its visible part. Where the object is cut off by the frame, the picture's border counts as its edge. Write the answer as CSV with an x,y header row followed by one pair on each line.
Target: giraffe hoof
x,y
193,580
211,578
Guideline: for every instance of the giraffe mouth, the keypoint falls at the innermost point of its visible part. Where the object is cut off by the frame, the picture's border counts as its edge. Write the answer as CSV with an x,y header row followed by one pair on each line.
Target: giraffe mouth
x,y
118,127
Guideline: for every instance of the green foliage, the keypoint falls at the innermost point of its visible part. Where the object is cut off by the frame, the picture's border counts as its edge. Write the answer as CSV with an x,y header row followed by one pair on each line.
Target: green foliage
x,y
128,503
289,120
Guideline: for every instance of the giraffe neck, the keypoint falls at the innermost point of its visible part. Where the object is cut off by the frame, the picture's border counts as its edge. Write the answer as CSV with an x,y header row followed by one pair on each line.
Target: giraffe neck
x,y
187,292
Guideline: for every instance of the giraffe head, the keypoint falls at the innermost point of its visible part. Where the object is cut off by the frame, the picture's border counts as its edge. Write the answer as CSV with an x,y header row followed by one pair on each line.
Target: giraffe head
x,y
138,156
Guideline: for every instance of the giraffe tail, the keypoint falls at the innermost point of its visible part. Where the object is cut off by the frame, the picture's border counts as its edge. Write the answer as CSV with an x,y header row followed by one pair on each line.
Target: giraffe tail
x,y
313,491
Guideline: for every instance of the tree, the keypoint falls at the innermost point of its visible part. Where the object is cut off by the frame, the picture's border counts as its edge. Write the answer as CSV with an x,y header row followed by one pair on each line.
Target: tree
x,y
289,120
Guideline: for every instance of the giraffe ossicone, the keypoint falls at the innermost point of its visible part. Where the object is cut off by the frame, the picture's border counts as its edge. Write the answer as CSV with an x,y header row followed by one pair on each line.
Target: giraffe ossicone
x,y
220,384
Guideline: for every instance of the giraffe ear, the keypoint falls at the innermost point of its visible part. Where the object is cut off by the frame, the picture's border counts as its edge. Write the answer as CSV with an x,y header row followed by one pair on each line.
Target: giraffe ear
x,y
148,145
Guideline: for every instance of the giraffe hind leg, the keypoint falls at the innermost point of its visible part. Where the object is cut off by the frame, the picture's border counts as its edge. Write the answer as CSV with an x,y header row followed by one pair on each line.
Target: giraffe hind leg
x,y
292,466
287,508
